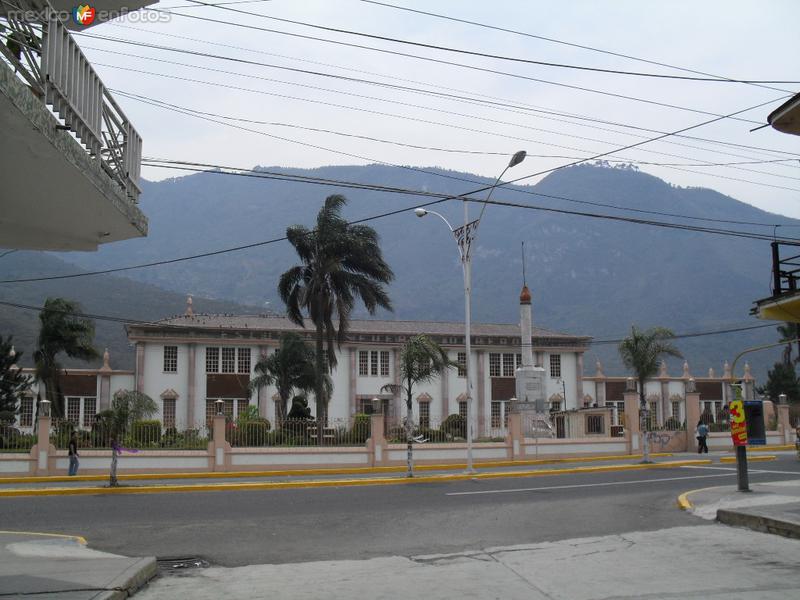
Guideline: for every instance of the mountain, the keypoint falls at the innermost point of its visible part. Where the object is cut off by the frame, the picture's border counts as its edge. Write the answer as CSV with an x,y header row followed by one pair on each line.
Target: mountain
x,y
588,276
103,295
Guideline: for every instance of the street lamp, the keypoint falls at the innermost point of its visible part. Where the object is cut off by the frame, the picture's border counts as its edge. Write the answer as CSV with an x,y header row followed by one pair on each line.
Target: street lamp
x,y
464,237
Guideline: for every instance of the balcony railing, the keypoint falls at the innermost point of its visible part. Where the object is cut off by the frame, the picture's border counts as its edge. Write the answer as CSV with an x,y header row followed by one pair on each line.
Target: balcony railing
x,y
785,268
37,45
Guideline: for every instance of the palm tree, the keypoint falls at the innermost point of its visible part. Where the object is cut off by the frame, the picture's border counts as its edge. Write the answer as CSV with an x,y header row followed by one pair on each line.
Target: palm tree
x,y
290,368
641,352
340,264
61,331
421,360
790,332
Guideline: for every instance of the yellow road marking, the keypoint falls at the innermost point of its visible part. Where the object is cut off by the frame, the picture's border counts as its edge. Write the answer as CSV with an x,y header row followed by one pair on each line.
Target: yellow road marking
x,y
760,458
272,485
78,538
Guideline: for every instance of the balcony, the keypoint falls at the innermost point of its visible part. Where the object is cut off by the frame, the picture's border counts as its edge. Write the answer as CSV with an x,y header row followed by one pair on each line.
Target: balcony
x,y
784,303
70,156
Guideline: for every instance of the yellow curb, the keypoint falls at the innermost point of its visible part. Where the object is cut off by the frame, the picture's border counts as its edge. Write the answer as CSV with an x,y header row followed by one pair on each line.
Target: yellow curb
x,y
770,448
683,500
78,538
760,458
334,471
273,485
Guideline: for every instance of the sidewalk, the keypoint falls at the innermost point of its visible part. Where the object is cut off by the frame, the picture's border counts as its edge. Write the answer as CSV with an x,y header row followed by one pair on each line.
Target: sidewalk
x,y
57,566
201,482
769,507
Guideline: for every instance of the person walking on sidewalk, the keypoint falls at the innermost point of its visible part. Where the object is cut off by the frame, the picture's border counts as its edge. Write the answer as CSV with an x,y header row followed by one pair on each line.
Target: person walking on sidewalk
x,y
73,453
702,434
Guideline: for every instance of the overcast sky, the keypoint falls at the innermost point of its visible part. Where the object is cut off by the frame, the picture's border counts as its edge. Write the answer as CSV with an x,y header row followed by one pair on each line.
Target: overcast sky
x,y
742,40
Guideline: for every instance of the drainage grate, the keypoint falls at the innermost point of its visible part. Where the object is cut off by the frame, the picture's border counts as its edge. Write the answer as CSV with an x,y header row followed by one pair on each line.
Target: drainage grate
x,y
175,565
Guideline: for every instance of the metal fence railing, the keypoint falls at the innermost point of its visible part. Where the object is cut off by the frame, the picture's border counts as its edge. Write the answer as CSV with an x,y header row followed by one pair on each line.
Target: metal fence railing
x,y
298,432
43,54
141,435
14,440
452,428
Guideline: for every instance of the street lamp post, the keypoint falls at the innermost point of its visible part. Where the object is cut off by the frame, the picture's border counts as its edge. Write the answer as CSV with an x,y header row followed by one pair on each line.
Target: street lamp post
x,y
464,237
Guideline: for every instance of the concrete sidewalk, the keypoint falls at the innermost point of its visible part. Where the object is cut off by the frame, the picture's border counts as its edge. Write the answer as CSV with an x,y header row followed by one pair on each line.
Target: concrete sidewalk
x,y
57,566
769,507
708,562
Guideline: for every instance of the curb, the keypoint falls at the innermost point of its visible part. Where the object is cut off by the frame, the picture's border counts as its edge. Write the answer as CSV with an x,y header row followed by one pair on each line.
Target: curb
x,y
760,523
272,485
78,538
759,458
334,471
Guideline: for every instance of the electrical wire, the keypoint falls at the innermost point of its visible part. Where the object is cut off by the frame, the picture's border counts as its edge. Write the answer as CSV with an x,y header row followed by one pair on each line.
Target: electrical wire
x,y
476,53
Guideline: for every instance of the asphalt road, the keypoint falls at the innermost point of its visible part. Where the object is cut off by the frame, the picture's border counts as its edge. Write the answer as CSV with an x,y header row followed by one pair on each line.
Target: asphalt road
x,y
279,526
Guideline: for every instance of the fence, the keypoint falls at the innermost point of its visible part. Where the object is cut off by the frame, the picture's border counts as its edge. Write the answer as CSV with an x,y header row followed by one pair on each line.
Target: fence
x,y
13,440
141,435
45,56
298,432
451,429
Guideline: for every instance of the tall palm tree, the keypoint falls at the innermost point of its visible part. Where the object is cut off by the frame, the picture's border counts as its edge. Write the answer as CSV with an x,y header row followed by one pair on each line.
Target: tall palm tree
x,y
290,369
341,263
421,361
790,332
61,331
641,352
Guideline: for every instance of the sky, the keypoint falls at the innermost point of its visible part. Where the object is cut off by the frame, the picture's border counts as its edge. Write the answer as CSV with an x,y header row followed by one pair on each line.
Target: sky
x,y
282,112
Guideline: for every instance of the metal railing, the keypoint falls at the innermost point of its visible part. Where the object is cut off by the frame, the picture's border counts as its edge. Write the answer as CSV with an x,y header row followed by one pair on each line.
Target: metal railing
x,y
143,435
298,432
452,428
45,56
785,269
14,440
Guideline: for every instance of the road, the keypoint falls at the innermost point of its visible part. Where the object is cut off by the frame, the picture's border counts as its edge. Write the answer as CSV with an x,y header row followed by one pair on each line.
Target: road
x,y
287,526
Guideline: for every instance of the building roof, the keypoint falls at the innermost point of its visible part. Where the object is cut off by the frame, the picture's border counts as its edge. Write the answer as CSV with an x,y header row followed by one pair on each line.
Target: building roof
x,y
357,326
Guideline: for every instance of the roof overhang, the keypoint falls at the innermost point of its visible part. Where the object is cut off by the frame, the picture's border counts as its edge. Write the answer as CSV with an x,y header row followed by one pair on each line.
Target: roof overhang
x,y
784,308
786,118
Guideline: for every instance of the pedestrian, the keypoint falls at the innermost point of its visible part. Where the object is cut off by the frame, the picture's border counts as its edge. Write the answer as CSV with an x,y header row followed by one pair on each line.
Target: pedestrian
x,y
702,434
73,453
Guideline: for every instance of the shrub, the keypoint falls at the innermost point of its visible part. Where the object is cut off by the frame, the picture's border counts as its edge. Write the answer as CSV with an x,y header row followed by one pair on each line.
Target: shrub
x,y
145,433
673,424
432,435
396,435
360,431
252,433
455,425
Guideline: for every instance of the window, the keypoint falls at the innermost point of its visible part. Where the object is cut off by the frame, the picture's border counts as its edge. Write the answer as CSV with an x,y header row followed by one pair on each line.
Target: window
x,y
244,360
363,363
384,363
508,365
229,360
462,364
424,415
241,406
168,413
170,359
212,360
494,364
497,416
74,410
653,415
676,410
462,408
89,411
519,360
211,410
595,424
555,365
26,411
555,405
373,362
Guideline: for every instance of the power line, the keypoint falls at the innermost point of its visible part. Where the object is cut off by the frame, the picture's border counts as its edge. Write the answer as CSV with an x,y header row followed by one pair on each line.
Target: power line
x,y
445,62
538,111
514,59
693,334
471,101
562,42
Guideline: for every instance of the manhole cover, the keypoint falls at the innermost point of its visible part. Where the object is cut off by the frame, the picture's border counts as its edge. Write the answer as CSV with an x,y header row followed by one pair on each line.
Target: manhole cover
x,y
181,564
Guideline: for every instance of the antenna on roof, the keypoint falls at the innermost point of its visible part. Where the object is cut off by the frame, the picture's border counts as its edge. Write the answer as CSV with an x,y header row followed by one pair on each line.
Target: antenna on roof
x,y
524,281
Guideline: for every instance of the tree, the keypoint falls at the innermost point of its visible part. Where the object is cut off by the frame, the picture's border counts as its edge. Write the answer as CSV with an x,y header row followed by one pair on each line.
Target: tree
x,y
421,361
641,352
13,382
781,379
341,263
127,407
61,331
790,332
290,369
